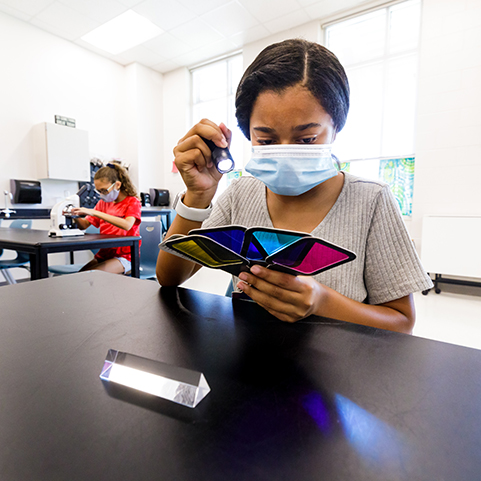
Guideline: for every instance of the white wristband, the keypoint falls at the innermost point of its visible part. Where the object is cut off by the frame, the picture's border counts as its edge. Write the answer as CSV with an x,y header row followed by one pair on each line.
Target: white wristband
x,y
190,213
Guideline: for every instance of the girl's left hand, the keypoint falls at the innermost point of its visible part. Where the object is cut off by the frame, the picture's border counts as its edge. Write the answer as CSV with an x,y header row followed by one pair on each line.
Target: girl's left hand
x,y
287,297
82,211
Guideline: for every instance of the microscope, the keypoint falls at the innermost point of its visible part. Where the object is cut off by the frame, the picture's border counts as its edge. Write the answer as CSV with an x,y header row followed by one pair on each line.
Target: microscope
x,y
62,222
6,212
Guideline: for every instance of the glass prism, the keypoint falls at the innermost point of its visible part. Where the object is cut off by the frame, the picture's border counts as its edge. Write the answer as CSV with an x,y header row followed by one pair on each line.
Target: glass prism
x,y
177,384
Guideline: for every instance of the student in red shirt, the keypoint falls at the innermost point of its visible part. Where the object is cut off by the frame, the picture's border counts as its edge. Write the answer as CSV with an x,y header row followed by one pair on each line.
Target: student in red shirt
x,y
117,213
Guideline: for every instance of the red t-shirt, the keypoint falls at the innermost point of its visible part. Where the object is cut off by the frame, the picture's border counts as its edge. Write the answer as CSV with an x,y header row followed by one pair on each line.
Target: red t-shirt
x,y
129,207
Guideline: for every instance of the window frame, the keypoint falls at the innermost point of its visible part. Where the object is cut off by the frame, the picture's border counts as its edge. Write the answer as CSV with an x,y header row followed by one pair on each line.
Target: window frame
x,y
229,99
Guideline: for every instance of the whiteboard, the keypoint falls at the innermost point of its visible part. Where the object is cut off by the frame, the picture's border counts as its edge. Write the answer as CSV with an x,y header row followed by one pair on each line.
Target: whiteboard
x,y
451,245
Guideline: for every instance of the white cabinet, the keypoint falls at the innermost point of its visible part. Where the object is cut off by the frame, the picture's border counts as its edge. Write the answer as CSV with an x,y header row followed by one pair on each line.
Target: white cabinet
x,y
450,245
62,152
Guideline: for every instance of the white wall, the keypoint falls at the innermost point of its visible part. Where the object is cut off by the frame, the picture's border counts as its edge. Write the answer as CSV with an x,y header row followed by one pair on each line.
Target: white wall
x,y
43,75
177,121
448,143
143,123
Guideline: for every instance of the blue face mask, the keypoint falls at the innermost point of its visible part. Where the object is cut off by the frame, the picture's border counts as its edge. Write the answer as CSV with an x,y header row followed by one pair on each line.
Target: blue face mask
x,y
291,169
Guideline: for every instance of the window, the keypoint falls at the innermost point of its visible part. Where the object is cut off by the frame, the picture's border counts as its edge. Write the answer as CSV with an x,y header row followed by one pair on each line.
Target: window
x,y
213,97
379,51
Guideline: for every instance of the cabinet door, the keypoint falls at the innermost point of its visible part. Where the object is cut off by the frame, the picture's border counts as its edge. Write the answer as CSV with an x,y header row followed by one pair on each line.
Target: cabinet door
x,y
64,154
450,245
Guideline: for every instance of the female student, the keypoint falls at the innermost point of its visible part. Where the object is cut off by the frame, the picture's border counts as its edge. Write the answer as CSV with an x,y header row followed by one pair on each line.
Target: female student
x,y
118,212
294,94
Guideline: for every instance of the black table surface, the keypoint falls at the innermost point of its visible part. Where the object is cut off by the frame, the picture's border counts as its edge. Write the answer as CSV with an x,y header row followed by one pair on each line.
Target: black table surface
x,y
38,244
32,239
314,400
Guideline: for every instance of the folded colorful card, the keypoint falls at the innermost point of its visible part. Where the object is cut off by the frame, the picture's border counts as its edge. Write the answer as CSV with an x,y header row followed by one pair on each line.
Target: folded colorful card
x,y
235,249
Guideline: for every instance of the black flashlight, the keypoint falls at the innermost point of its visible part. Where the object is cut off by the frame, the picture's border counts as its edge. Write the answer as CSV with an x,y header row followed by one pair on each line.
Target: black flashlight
x,y
221,157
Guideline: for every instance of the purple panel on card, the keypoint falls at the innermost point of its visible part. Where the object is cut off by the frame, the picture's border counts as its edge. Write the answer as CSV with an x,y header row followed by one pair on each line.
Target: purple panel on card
x,y
319,257
310,255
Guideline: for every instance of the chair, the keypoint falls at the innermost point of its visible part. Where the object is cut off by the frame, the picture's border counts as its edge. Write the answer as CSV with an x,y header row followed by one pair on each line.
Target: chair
x,y
22,260
62,269
151,232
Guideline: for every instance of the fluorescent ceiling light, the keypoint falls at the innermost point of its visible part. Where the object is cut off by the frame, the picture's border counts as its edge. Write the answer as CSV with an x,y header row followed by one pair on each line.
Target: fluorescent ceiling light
x,y
122,32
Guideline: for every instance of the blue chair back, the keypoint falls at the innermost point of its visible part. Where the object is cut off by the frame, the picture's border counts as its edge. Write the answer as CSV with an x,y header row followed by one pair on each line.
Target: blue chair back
x,y
63,269
21,224
151,232
22,259
91,229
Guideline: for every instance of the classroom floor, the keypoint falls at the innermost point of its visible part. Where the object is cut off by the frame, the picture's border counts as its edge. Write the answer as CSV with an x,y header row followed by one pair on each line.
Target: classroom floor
x,y
452,316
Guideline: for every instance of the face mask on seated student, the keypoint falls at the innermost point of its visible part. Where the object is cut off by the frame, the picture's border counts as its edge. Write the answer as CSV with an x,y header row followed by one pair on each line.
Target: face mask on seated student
x,y
109,195
291,169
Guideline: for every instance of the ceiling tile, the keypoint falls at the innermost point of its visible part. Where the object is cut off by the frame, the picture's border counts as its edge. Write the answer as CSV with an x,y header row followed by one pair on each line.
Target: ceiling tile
x,y
30,7
265,11
325,8
251,35
218,48
194,30
14,13
65,19
166,14
206,53
306,3
190,58
166,66
142,55
196,33
230,19
130,3
204,6
288,21
345,4
103,53
59,32
100,10
168,46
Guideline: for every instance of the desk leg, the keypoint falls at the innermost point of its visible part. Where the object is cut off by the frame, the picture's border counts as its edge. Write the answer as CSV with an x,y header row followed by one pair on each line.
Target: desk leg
x,y
39,265
135,259
34,268
42,264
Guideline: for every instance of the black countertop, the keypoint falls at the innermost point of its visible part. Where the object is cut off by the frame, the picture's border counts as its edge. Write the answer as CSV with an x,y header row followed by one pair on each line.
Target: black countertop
x,y
317,399
44,213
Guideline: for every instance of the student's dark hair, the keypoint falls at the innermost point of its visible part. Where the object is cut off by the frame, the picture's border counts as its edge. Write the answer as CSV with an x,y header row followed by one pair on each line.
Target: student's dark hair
x,y
289,63
113,172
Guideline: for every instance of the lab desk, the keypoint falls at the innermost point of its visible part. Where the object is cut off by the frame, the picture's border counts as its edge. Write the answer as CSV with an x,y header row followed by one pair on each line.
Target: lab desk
x,y
38,245
315,400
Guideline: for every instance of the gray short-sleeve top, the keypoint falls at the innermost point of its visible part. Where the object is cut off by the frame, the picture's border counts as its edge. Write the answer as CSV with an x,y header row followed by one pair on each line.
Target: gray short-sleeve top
x,y
365,219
